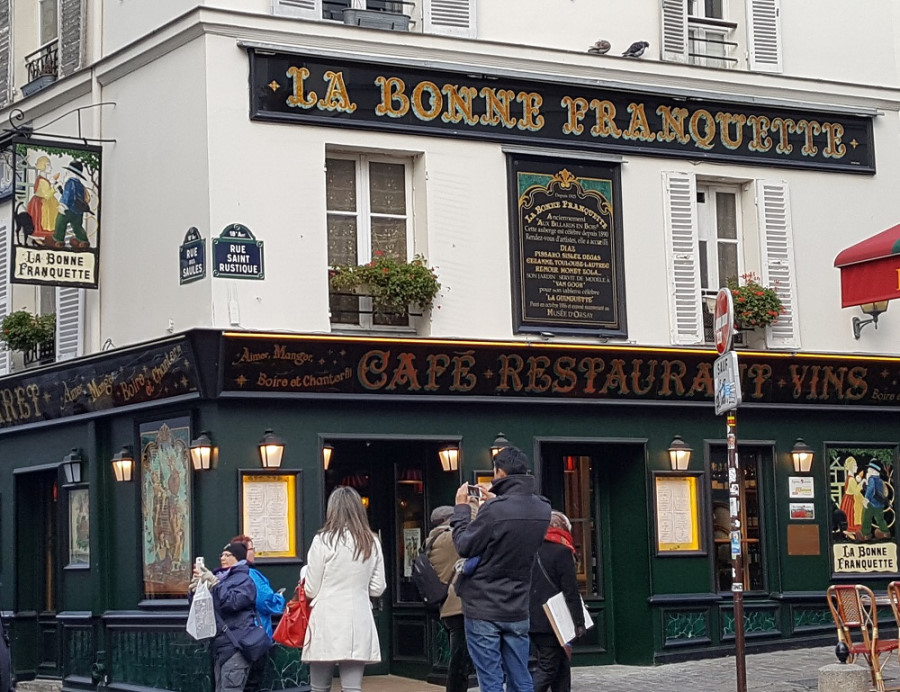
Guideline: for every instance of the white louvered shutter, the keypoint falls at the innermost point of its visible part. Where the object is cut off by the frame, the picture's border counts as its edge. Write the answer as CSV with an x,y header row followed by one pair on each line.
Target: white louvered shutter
x,y
683,255
69,323
773,204
5,291
450,17
674,30
5,52
299,9
764,35
72,39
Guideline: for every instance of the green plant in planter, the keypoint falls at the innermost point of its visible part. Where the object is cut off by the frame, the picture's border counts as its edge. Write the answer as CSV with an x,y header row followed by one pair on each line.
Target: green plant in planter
x,y
22,331
755,305
393,284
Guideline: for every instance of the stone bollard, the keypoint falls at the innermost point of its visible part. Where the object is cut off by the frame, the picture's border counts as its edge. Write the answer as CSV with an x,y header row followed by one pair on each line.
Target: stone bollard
x,y
844,677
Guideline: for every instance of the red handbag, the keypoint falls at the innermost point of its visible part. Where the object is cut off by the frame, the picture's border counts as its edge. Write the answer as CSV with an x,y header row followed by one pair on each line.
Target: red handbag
x,y
291,630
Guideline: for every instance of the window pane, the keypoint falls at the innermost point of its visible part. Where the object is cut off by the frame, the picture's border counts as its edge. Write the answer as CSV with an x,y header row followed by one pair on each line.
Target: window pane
x,y
704,265
49,29
342,240
578,506
750,461
387,188
726,218
340,185
344,309
389,236
728,264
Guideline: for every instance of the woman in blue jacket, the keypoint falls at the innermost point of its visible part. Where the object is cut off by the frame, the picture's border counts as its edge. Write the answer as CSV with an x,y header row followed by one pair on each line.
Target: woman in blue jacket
x,y
268,602
234,598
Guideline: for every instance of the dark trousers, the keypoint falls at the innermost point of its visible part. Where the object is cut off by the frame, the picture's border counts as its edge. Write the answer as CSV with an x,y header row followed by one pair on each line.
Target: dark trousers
x,y
549,664
459,665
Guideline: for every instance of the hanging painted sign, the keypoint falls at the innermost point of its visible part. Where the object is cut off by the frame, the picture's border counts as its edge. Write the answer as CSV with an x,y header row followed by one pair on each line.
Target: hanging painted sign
x,y
56,215
567,248
343,93
237,254
192,257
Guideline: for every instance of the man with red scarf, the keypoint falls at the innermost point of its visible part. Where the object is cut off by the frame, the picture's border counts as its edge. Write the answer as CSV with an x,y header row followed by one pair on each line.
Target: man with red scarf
x,y
553,571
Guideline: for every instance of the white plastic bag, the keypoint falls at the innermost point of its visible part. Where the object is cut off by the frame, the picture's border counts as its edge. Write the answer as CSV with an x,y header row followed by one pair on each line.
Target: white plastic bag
x,y
201,622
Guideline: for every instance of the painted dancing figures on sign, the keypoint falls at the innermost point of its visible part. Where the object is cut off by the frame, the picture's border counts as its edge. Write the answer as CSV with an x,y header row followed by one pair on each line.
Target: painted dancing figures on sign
x,y
76,202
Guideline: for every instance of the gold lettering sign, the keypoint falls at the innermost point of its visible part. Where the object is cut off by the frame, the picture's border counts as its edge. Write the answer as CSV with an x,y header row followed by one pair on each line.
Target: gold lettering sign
x,y
852,558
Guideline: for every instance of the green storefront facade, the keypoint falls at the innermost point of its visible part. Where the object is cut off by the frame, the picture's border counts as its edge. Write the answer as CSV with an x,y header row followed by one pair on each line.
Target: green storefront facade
x,y
93,573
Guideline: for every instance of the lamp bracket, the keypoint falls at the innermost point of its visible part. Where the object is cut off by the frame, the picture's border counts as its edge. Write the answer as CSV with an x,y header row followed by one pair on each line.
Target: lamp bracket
x,y
858,325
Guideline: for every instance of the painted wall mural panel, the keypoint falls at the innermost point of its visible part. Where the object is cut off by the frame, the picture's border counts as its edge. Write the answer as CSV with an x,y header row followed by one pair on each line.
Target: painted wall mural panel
x,y
56,215
166,506
863,509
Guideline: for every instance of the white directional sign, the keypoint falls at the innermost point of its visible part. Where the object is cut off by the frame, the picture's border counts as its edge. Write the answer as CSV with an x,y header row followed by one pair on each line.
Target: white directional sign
x,y
727,383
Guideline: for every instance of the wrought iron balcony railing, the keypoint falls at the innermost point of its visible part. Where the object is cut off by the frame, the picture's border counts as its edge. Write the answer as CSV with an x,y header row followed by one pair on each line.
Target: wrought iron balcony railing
x,y
43,62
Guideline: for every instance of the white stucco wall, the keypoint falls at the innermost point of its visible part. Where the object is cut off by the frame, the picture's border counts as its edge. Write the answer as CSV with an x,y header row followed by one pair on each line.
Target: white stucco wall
x,y
187,154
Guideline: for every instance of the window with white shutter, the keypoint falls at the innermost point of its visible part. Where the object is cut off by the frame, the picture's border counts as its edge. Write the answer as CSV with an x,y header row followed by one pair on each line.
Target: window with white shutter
x,y
299,9
72,40
777,256
764,35
686,320
450,17
5,52
4,289
69,323
707,248
674,30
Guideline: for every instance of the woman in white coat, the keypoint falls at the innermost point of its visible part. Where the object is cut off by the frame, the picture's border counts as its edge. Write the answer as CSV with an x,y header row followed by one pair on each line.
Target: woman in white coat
x,y
344,569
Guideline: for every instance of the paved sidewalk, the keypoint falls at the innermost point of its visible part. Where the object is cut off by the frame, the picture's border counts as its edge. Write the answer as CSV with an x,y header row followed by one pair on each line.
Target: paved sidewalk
x,y
796,670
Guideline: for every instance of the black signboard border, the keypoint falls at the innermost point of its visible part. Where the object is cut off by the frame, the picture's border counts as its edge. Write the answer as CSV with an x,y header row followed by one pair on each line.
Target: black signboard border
x,y
614,172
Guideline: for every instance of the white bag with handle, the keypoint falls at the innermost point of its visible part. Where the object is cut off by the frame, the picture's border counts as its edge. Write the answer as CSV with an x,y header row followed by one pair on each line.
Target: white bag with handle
x,y
201,622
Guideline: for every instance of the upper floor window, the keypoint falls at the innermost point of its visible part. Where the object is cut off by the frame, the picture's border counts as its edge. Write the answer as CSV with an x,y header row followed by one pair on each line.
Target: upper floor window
x,y
708,244
48,20
368,205
711,32
447,17
710,35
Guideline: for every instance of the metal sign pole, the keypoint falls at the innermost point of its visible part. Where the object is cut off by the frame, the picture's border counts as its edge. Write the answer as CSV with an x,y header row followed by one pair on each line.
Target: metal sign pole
x,y
727,383
735,488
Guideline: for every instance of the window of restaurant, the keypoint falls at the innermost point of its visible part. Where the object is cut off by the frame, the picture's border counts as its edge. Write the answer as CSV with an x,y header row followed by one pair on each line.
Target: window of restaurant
x,y
750,461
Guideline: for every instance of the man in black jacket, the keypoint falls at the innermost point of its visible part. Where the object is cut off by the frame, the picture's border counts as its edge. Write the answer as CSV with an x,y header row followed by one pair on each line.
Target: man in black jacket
x,y
554,572
505,536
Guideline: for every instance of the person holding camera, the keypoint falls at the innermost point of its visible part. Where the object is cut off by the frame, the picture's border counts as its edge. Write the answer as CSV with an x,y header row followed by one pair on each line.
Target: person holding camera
x,y
234,598
505,535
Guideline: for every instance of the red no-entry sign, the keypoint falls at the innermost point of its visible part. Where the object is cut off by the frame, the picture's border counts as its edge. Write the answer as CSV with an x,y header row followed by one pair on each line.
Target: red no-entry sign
x,y
723,320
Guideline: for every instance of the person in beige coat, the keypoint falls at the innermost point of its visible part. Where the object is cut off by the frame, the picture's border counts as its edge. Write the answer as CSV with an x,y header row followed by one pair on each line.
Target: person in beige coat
x,y
443,557
345,567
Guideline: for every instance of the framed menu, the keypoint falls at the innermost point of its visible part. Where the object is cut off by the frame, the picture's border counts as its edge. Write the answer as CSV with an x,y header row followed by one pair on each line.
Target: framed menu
x,y
677,513
270,514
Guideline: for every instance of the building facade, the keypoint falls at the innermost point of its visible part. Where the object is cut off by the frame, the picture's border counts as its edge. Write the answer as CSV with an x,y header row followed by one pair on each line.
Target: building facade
x,y
580,208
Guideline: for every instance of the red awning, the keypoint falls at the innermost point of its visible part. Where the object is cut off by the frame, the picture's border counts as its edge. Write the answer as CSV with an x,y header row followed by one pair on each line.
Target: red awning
x,y
870,270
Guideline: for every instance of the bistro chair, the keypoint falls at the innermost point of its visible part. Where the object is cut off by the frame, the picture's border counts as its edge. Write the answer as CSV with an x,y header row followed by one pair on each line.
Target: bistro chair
x,y
855,614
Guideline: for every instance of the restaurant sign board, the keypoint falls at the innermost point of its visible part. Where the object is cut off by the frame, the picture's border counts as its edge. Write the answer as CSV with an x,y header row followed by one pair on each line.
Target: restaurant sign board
x,y
320,90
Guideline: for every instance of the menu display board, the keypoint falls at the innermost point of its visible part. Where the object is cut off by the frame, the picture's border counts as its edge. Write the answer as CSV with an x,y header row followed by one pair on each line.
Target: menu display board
x,y
567,258
677,513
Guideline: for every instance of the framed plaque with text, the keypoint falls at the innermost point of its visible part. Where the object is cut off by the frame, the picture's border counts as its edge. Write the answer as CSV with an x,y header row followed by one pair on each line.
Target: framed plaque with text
x,y
567,247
